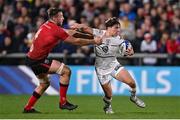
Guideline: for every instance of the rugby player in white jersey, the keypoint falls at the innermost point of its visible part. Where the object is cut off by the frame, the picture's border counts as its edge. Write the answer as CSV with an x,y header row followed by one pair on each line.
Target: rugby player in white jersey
x,y
106,64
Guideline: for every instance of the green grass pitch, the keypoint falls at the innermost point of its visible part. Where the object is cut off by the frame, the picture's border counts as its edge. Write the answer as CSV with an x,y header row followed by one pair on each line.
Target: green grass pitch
x,y
90,107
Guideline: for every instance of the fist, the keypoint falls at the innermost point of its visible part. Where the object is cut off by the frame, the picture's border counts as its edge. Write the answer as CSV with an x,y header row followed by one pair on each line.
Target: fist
x,y
130,51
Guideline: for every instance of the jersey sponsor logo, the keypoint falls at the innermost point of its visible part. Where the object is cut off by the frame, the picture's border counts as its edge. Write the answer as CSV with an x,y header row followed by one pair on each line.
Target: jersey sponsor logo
x,y
105,49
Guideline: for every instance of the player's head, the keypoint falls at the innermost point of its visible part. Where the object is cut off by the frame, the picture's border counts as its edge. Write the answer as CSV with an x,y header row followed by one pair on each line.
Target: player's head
x,y
56,15
113,26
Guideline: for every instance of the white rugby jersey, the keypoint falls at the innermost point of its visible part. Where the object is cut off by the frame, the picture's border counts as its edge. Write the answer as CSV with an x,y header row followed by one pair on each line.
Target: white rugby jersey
x,y
106,53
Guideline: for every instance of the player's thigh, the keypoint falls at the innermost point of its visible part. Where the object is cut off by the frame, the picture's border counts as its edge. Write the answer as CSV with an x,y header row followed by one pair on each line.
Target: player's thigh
x,y
124,76
39,66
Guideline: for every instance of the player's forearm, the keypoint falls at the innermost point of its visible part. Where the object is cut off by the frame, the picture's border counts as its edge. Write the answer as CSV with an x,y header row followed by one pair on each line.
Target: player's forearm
x,y
88,30
82,41
85,28
83,35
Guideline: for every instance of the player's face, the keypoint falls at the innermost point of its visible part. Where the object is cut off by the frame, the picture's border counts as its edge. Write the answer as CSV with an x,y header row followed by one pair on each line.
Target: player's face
x,y
60,18
115,30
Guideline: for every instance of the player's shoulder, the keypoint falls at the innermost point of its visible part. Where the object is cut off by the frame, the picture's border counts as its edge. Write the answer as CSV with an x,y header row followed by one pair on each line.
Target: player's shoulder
x,y
119,38
52,26
46,26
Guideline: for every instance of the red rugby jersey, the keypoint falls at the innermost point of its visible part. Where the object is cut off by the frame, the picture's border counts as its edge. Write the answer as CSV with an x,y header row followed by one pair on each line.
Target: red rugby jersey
x,y
48,35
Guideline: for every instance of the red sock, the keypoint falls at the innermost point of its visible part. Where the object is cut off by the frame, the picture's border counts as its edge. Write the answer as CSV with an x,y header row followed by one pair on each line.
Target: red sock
x,y
63,91
32,100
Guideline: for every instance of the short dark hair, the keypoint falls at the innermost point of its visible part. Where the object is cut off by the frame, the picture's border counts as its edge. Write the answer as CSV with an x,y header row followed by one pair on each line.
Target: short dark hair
x,y
111,22
53,11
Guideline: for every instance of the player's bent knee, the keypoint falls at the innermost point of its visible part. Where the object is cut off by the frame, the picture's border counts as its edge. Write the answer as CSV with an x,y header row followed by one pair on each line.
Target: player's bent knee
x,y
60,69
44,82
131,83
66,70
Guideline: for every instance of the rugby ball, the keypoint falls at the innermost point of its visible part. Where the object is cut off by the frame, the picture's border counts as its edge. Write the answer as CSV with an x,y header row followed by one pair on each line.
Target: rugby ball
x,y
123,47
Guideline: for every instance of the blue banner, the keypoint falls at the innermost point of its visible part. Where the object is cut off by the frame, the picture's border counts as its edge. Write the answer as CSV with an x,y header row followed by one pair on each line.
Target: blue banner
x,y
149,80
161,81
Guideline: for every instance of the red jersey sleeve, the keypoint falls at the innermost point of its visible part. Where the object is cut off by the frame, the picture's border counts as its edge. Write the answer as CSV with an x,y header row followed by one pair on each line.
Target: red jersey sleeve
x,y
62,34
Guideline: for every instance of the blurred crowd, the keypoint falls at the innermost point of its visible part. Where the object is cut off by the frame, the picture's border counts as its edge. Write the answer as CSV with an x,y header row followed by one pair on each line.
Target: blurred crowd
x,y
152,26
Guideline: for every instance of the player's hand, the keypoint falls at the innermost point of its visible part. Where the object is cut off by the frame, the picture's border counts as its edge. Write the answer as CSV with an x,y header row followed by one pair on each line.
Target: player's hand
x,y
129,51
98,40
76,26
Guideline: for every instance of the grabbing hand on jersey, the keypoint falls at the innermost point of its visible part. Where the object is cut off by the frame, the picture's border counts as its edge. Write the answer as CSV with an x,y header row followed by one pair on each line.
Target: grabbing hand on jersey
x,y
86,31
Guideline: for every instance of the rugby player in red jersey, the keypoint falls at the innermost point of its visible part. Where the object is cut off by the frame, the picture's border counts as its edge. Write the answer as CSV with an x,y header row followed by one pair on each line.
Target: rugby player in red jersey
x,y
49,35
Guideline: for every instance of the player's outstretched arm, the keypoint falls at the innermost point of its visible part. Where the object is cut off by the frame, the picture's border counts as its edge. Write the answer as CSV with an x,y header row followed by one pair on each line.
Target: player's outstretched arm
x,y
82,41
79,34
82,27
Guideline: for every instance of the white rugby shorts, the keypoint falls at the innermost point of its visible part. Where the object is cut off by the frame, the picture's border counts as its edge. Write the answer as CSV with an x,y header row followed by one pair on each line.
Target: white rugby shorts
x,y
105,78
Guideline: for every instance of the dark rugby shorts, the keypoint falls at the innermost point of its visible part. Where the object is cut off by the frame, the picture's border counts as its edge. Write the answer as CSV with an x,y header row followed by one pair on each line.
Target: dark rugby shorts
x,y
38,66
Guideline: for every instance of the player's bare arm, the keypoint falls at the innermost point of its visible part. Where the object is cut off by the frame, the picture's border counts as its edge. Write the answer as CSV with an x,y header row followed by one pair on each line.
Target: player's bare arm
x,y
82,27
82,41
79,34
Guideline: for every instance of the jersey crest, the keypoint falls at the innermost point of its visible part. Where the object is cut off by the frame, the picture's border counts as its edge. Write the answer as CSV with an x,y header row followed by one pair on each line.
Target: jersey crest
x,y
105,49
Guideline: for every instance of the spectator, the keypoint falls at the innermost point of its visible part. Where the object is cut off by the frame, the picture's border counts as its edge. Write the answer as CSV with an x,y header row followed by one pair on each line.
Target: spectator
x,y
170,12
7,46
148,46
161,47
127,28
88,11
154,16
127,11
112,7
175,25
172,49
137,42
162,43
96,22
7,14
147,7
139,16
